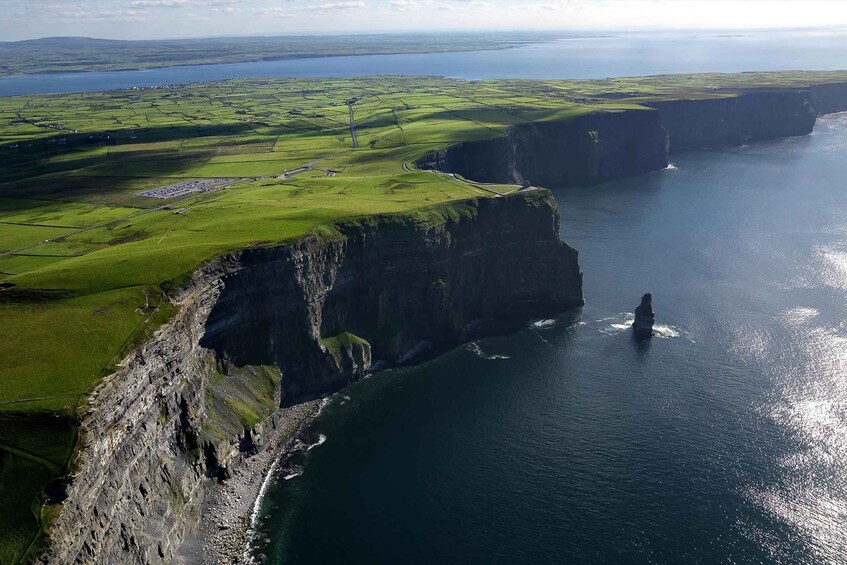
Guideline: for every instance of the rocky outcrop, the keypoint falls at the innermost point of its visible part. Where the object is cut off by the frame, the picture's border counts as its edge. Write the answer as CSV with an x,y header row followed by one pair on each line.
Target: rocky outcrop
x,y
642,326
264,328
737,119
582,150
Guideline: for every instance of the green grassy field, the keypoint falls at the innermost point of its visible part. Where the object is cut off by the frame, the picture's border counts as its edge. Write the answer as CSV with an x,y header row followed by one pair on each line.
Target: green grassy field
x,y
85,260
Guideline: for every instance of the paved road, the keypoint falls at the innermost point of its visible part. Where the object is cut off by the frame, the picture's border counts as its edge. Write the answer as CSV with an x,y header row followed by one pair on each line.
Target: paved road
x,y
480,185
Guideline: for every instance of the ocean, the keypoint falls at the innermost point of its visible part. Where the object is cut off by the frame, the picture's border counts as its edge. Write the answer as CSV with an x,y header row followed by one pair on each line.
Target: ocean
x,y
721,440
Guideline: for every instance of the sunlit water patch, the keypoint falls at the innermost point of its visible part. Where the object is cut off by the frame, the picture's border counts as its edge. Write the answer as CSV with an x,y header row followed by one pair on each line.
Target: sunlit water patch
x,y
810,404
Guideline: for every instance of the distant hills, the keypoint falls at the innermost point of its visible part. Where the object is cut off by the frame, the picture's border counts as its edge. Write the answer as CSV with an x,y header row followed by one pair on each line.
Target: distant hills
x,y
73,54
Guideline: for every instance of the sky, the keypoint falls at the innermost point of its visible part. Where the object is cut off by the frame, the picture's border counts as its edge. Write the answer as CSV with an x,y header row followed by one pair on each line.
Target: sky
x,y
157,19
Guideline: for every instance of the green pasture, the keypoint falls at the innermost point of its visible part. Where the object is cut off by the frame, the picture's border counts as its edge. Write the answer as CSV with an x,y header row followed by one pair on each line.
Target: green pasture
x,y
100,258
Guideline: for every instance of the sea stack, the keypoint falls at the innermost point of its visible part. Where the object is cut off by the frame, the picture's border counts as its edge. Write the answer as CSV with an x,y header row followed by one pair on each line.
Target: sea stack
x,y
644,318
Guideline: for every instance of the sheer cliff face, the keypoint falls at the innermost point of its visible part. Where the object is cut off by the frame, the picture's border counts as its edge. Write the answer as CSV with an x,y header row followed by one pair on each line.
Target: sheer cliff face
x,y
583,150
829,98
756,116
394,289
607,145
266,327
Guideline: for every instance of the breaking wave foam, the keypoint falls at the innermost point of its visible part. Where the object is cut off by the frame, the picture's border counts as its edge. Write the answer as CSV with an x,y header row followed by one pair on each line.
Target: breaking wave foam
x,y
474,348
321,441
623,322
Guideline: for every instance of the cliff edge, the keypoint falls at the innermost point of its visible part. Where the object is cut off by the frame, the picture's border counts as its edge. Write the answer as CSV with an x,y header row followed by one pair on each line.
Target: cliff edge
x,y
609,144
582,150
262,329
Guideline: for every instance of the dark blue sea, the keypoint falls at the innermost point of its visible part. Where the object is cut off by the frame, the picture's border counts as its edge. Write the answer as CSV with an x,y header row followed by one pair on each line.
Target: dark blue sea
x,y
602,56
722,440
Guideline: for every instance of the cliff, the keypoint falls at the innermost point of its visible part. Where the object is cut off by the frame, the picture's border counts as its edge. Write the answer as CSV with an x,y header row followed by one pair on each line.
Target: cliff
x,y
606,145
264,328
735,120
582,150
829,98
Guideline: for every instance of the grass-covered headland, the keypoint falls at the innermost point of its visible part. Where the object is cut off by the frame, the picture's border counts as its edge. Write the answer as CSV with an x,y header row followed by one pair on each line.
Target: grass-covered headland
x,y
87,261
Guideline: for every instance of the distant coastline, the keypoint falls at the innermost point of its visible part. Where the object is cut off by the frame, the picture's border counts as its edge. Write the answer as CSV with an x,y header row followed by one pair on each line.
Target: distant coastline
x,y
81,55
513,56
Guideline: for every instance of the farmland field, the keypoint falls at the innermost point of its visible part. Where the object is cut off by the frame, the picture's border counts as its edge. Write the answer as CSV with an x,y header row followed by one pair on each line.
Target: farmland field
x,y
85,260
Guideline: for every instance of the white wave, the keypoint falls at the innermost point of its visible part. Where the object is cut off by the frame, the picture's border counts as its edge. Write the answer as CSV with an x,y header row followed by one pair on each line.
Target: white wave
x,y
474,348
321,441
254,515
665,331
544,323
616,324
293,474
324,402
262,490
623,322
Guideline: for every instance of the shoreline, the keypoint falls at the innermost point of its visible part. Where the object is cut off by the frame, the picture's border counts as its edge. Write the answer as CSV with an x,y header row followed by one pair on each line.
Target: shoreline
x,y
227,513
49,73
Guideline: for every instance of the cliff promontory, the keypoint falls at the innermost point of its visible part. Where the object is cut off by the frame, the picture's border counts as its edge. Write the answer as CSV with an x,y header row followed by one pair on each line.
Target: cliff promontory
x,y
261,329
582,150
735,120
609,144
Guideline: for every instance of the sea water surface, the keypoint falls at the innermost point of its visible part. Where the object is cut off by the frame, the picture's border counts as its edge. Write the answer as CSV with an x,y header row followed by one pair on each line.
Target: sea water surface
x,y
601,56
724,440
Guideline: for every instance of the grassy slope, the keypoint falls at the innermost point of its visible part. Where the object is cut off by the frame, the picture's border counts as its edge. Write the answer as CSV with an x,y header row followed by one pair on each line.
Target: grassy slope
x,y
88,287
